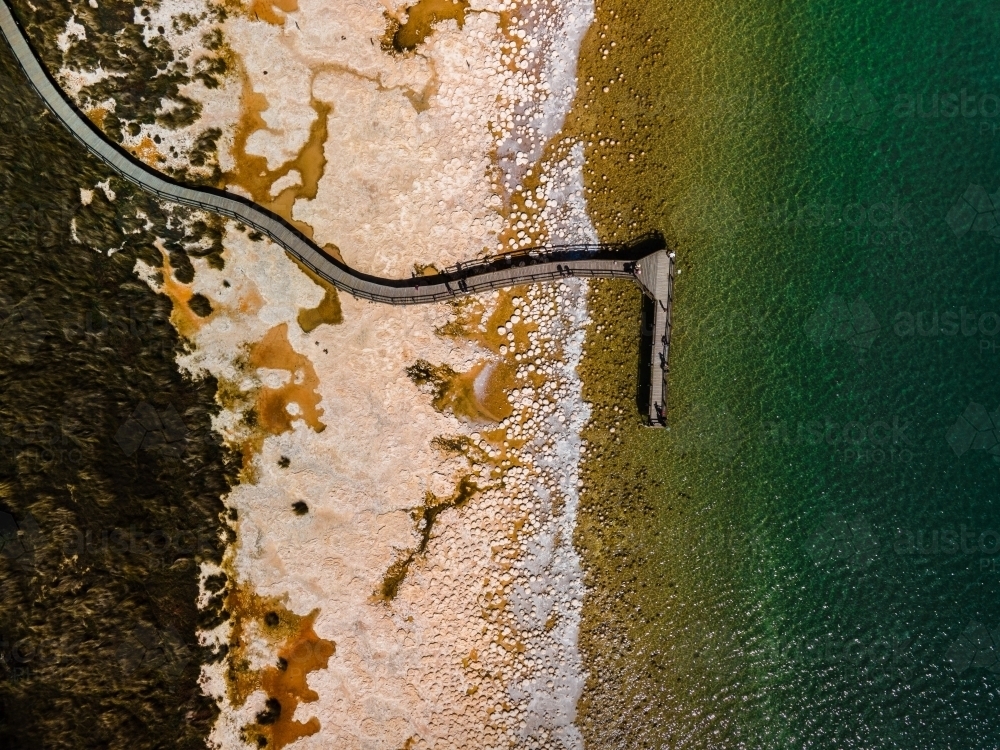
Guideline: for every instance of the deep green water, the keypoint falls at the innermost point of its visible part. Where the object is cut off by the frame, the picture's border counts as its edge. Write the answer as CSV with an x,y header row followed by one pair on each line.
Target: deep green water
x,y
849,548
821,564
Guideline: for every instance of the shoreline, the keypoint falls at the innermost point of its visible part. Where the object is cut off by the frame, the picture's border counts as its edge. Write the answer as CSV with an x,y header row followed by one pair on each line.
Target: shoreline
x,y
295,401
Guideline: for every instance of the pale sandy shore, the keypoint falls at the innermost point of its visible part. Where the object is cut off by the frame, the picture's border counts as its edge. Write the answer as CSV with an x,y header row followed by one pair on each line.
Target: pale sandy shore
x,y
466,636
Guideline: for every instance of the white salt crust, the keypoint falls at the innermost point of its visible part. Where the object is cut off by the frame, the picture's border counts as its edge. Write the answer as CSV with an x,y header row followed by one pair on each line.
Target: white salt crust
x,y
424,155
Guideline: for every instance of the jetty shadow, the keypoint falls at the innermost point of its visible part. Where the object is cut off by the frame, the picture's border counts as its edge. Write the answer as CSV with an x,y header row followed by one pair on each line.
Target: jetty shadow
x,y
644,378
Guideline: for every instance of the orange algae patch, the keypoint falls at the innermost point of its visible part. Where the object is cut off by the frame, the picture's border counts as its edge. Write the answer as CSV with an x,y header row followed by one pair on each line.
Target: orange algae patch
x,y
518,205
275,352
97,115
183,318
327,311
482,391
305,652
479,393
268,10
424,518
300,651
251,172
251,302
310,163
147,152
420,20
425,270
470,321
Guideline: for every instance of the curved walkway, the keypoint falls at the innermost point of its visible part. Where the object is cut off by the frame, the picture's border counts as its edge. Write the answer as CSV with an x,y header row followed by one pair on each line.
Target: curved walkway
x,y
599,261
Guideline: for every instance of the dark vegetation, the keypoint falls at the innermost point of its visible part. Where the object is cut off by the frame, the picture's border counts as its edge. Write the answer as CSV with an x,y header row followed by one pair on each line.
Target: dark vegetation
x,y
200,305
145,79
435,378
110,475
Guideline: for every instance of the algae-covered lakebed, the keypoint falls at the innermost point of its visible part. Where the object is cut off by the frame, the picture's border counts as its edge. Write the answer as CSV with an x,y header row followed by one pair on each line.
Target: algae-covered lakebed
x,y
808,556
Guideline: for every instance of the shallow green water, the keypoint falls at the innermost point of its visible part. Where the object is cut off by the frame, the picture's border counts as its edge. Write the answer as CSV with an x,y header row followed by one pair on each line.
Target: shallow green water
x,y
822,551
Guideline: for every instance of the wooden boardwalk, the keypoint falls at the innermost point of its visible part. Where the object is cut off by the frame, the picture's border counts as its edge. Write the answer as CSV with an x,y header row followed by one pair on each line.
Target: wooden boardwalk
x,y
644,261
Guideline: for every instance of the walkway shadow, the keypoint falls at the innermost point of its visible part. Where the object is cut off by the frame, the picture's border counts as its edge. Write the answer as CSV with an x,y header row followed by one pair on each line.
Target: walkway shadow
x,y
643,379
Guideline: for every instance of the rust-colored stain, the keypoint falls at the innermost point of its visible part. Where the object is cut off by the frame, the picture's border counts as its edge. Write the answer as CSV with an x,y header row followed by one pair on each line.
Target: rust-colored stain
x,y
424,517
419,24
491,403
300,651
468,322
327,311
275,352
251,302
303,653
147,152
97,115
272,11
457,391
182,316
251,172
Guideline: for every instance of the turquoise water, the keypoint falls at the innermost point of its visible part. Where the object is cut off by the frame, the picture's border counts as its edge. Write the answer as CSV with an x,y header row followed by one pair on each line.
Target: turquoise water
x,y
841,314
